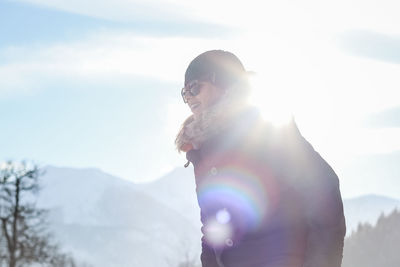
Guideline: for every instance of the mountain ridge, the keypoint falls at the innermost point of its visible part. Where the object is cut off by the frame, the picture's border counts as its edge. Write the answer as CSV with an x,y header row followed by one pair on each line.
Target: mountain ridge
x,y
88,204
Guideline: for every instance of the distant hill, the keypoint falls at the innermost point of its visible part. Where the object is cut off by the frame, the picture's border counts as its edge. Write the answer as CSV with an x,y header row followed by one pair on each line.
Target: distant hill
x,y
367,209
373,246
108,221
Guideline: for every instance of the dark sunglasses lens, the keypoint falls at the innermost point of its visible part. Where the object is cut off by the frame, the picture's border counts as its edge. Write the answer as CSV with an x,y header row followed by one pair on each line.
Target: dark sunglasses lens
x,y
194,88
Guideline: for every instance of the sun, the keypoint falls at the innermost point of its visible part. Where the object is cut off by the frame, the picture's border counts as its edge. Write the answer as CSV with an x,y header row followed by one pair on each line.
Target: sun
x,y
274,105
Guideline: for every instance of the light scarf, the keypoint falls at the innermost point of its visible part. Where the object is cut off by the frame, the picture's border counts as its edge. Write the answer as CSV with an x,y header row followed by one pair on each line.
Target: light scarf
x,y
196,130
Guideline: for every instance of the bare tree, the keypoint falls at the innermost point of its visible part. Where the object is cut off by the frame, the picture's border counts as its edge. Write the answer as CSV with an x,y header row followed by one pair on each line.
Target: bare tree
x,y
24,237
188,261
189,258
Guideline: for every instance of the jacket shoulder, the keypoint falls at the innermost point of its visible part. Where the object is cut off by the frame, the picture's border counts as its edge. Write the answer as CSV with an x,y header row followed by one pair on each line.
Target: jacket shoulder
x,y
267,136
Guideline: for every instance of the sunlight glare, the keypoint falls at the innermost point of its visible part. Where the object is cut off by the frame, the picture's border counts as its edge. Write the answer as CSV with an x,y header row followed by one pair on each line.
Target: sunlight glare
x,y
273,104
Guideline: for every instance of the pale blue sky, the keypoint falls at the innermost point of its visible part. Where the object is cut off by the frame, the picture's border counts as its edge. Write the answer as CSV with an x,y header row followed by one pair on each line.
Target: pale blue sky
x,y
96,83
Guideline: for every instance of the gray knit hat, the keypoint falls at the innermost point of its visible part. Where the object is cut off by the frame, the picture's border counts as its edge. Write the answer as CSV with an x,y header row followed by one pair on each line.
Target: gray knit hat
x,y
220,67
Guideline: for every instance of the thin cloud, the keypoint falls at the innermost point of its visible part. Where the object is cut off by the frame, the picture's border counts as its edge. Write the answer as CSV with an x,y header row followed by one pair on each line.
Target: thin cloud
x,y
36,23
371,45
389,118
118,10
237,14
377,15
105,54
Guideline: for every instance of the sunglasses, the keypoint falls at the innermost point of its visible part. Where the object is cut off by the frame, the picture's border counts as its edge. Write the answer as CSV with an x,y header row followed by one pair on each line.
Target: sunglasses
x,y
193,88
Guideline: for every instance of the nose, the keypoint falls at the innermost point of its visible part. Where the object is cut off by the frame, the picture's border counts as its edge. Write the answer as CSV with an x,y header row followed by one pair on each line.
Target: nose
x,y
188,96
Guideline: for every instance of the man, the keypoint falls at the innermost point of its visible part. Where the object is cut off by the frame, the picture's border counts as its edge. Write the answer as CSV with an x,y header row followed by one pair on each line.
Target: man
x,y
266,197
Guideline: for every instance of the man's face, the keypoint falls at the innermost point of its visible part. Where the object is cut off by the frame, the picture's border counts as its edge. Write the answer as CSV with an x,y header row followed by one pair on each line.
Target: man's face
x,y
208,95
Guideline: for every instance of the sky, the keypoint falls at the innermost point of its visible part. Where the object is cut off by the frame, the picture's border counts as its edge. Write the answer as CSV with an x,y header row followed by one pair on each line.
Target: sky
x,y
97,83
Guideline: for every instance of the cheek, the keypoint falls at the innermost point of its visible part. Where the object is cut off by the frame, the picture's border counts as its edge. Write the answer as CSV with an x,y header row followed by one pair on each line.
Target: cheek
x,y
204,96
208,96
214,97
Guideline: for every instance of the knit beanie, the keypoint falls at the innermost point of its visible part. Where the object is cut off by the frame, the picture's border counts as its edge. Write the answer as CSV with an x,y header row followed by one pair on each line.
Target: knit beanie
x,y
220,67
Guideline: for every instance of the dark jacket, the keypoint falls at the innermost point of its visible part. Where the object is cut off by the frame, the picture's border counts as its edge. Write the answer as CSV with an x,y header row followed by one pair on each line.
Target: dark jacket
x,y
266,198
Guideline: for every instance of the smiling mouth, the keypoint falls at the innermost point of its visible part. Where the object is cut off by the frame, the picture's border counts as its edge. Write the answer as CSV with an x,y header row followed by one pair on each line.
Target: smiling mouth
x,y
194,105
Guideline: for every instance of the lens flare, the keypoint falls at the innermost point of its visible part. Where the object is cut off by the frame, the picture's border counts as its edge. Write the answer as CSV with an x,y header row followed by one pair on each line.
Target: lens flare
x,y
223,216
235,201
217,234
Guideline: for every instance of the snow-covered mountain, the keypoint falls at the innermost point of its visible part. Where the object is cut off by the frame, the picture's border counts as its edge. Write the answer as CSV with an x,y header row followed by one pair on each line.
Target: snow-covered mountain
x,y
177,190
108,221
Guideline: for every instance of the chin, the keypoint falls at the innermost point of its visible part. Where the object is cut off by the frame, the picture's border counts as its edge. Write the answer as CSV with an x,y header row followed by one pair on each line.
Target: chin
x,y
197,111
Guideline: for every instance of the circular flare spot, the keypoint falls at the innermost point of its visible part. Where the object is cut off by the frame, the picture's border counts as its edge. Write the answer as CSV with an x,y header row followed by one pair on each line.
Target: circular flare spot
x,y
216,233
223,216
